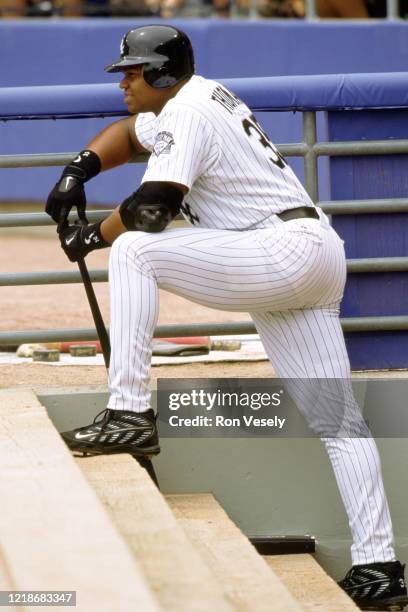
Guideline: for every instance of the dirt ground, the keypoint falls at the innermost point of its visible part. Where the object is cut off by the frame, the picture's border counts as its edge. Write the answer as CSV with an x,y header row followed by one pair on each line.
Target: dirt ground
x,y
65,306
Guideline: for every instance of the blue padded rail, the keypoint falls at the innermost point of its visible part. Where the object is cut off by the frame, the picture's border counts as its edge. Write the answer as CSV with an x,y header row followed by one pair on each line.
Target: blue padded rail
x,y
316,92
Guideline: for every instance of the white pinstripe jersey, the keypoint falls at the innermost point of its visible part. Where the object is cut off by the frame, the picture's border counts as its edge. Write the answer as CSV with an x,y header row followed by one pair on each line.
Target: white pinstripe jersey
x,y
207,139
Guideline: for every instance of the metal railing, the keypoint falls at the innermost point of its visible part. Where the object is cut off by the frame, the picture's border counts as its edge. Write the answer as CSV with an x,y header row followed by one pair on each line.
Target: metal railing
x,y
310,149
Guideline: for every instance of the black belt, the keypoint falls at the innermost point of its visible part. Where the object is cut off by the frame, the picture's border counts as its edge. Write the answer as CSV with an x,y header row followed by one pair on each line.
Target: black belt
x,y
298,213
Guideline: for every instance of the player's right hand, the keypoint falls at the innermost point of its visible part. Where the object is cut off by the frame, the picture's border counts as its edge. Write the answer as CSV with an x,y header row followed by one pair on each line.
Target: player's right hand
x,y
80,239
67,193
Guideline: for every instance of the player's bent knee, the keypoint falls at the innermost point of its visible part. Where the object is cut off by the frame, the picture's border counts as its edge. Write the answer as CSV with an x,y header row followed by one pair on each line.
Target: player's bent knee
x,y
130,247
122,244
123,241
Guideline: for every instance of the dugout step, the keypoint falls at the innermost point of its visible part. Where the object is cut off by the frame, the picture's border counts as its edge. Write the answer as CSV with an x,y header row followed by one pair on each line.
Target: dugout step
x,y
246,579
54,532
172,567
309,583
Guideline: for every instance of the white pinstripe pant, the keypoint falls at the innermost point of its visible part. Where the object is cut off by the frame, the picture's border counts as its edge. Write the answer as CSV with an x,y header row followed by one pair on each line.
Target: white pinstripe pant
x,y
290,278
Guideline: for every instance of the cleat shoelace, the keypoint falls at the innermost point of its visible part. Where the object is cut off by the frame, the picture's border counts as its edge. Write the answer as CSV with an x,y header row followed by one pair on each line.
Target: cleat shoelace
x,y
104,420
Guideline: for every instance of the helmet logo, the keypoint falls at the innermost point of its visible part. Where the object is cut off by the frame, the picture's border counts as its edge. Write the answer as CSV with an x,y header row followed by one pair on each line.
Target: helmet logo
x,y
123,46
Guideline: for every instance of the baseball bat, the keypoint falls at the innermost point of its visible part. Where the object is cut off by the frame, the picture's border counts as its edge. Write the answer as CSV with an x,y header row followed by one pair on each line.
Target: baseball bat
x,y
96,313
105,346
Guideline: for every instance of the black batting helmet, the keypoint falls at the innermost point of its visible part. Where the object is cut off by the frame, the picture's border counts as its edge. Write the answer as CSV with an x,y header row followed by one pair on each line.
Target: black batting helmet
x,y
165,52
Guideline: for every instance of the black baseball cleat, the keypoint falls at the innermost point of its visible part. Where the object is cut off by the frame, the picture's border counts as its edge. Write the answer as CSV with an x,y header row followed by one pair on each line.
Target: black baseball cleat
x,y
117,431
377,586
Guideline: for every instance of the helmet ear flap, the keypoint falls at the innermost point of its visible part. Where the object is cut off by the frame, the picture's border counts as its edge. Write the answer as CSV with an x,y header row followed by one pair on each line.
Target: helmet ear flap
x,y
158,76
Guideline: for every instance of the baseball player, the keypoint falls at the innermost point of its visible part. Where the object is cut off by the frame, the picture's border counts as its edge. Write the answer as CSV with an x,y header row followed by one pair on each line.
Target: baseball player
x,y
255,243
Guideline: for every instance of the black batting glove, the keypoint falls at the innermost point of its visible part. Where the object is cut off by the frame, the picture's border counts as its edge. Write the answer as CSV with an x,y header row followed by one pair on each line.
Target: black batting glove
x,y
69,191
79,240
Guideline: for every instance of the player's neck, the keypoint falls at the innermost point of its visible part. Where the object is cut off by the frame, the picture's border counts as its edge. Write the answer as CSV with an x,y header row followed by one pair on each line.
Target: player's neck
x,y
168,94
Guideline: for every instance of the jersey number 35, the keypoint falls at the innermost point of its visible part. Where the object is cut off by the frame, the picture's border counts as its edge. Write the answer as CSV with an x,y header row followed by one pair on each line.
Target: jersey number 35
x,y
252,128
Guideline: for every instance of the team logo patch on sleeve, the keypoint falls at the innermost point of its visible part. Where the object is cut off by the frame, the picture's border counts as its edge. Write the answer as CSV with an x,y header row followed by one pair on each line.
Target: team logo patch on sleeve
x,y
163,143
